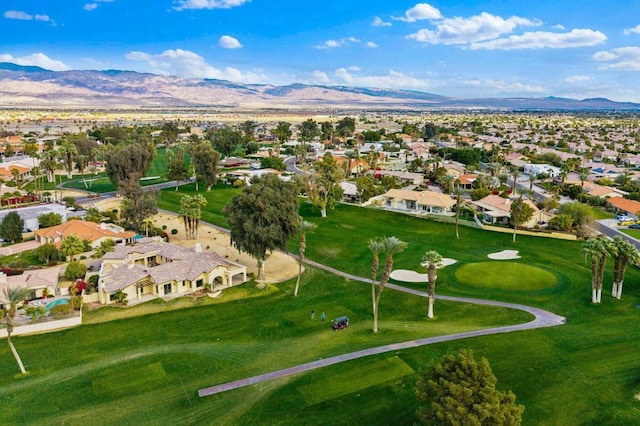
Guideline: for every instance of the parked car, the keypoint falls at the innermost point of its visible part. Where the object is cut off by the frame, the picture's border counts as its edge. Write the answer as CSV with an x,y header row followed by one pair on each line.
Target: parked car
x,y
634,226
340,323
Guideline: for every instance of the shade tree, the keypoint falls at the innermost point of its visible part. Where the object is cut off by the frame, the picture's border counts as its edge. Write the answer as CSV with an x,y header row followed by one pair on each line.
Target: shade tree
x,y
263,217
462,391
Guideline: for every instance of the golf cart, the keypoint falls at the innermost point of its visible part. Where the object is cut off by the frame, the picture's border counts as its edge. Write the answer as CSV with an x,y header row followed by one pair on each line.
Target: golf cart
x,y
340,323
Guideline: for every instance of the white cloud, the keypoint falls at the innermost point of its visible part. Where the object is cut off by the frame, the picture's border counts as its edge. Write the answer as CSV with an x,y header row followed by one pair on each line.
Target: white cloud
x,y
94,5
577,79
208,4
23,16
634,30
501,87
621,58
419,12
469,30
228,42
321,77
36,59
353,76
559,27
17,14
371,45
543,39
378,22
331,44
188,64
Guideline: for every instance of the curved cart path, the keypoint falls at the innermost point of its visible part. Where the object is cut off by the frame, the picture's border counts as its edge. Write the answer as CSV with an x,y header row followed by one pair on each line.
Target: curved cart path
x,y
542,319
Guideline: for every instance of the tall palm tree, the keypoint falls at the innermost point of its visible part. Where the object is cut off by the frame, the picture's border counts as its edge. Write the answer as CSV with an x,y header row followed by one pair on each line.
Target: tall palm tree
x,y
392,246
458,193
376,247
13,296
304,228
597,250
431,260
623,254
68,152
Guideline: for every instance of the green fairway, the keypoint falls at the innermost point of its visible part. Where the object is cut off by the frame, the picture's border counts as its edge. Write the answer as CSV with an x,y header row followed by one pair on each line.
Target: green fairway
x,y
505,275
585,372
132,370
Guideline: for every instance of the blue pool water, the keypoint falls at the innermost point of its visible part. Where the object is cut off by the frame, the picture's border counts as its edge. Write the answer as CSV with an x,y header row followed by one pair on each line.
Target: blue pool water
x,y
56,303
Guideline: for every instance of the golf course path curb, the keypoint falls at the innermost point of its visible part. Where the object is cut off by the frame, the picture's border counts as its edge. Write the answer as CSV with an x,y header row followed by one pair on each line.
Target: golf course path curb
x,y
542,319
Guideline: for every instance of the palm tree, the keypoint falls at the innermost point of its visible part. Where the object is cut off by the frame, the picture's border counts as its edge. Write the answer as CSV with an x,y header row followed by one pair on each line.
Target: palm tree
x,y
597,250
68,152
13,296
376,247
431,260
71,246
623,253
458,193
304,228
392,246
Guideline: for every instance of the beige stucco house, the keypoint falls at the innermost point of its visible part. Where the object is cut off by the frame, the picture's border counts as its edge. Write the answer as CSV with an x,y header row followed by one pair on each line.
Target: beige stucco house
x,y
417,201
152,267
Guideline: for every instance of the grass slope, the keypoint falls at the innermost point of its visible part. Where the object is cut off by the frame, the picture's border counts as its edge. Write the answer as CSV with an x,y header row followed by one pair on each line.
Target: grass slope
x,y
133,370
586,372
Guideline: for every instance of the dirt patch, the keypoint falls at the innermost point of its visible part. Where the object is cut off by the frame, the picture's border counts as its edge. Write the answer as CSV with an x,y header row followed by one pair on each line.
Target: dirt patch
x,y
279,266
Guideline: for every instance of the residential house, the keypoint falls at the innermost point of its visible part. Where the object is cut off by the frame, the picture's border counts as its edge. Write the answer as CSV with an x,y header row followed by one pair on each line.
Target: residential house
x,y
494,209
466,180
417,202
36,281
31,214
350,192
620,204
152,267
538,169
405,178
93,232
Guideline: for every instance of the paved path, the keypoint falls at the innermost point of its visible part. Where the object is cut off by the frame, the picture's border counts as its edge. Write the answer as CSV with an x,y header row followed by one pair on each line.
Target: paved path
x,y
542,319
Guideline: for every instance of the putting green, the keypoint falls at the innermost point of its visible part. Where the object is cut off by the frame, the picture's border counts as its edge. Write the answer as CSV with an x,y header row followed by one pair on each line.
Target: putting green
x,y
506,276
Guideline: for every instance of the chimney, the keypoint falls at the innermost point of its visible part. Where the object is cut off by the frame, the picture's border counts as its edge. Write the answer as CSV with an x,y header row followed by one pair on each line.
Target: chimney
x,y
130,264
198,247
103,225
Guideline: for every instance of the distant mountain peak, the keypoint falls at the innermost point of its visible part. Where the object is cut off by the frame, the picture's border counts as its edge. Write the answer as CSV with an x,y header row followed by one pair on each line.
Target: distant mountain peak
x,y
31,86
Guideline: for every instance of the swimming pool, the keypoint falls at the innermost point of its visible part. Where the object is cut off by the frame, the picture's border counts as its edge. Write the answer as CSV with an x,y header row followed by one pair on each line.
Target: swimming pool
x,y
56,303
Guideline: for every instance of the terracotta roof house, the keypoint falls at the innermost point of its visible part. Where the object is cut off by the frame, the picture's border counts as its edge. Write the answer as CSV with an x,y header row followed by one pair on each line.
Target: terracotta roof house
x,y
630,207
466,180
494,209
93,232
417,202
35,280
152,267
6,171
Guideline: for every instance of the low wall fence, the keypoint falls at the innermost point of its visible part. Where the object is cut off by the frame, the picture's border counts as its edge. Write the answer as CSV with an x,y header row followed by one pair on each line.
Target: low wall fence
x,y
44,324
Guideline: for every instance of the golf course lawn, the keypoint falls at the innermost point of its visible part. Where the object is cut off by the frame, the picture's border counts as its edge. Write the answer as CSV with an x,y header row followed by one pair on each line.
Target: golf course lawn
x,y
132,370
505,275
147,369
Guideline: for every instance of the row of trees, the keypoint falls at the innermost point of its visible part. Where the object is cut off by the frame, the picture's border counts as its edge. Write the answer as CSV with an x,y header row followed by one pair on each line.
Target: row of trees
x,y
597,250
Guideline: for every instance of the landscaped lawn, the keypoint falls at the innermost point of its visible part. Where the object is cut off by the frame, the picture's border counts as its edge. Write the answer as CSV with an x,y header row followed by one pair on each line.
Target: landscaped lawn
x,y
584,372
133,370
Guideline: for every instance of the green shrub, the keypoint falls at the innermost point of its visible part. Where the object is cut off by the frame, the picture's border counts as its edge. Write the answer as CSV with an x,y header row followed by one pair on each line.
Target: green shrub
x,y
174,231
76,302
35,312
60,310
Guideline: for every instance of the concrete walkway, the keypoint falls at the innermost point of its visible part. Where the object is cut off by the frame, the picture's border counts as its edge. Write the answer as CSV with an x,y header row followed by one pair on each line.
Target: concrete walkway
x,y
542,319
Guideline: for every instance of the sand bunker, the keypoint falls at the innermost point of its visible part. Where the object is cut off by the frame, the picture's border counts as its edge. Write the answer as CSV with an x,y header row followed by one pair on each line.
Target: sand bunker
x,y
504,255
408,276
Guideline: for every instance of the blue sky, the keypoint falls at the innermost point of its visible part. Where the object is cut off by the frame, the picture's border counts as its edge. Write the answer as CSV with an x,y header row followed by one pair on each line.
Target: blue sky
x,y
491,48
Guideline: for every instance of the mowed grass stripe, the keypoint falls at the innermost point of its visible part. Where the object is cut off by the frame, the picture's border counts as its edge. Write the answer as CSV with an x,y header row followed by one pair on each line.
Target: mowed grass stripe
x,y
366,376
128,379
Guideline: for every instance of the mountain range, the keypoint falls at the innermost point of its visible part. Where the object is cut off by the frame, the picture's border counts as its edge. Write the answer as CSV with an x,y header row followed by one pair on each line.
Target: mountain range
x,y
35,87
